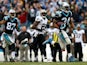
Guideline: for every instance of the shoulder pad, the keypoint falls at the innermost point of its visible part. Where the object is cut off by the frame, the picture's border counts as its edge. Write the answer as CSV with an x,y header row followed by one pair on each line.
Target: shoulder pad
x,y
38,18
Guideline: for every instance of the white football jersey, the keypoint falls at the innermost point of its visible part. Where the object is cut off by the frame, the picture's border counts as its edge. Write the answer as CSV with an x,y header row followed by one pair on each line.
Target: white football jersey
x,y
42,24
78,35
33,32
50,31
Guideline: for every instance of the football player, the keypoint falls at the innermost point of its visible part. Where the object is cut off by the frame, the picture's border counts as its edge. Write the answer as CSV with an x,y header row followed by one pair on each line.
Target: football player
x,y
33,45
52,34
79,38
40,25
11,23
63,22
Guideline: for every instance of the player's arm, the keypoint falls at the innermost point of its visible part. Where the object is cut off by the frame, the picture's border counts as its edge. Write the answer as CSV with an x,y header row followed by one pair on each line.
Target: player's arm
x,y
2,22
73,39
55,19
18,24
84,37
55,23
84,22
71,23
34,25
17,40
37,21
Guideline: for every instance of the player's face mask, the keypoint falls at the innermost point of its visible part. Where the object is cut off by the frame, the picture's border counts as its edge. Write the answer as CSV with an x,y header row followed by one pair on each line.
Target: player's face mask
x,y
12,15
43,14
67,8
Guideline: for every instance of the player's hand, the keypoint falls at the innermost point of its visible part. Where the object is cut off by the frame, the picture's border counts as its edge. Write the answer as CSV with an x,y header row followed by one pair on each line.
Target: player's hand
x,y
52,43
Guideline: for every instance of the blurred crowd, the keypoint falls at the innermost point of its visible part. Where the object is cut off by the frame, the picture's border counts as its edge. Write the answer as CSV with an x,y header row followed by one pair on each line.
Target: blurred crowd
x,y
27,10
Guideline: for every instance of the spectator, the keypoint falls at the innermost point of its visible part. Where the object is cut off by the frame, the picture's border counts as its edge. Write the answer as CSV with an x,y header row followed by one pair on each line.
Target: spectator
x,y
23,17
81,17
76,14
7,4
85,5
80,4
31,15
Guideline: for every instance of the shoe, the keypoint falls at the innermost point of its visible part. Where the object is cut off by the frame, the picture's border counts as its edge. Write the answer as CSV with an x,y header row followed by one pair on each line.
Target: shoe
x,y
54,60
45,60
12,60
30,60
72,59
36,60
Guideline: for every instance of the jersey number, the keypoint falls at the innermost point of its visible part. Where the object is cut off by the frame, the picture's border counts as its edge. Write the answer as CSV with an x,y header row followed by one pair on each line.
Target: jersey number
x,y
77,35
66,21
43,27
10,26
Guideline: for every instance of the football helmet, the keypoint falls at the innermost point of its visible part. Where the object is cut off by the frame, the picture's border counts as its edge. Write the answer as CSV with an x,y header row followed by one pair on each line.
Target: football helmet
x,y
12,13
65,6
43,13
38,18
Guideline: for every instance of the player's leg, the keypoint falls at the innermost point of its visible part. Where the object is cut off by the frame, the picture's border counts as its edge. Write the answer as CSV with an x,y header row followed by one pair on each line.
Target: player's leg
x,y
60,52
21,52
80,52
6,47
12,52
31,48
35,49
36,54
75,49
7,56
54,52
26,53
68,51
65,37
41,46
67,41
16,53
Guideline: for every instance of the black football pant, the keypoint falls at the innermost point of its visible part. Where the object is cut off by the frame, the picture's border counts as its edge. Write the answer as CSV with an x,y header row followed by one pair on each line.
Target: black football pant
x,y
40,40
78,49
33,46
56,48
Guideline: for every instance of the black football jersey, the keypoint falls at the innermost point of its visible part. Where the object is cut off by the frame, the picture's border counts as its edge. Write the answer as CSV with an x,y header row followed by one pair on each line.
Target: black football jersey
x,y
64,19
10,24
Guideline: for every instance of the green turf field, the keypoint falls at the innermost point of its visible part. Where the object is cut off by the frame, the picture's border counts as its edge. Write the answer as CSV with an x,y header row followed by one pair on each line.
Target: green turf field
x,y
40,63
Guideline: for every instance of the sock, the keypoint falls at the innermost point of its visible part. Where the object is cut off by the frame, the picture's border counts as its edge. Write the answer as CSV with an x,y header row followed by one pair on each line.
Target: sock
x,y
69,55
8,57
13,55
